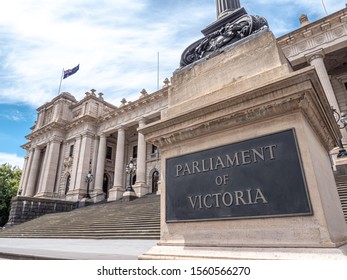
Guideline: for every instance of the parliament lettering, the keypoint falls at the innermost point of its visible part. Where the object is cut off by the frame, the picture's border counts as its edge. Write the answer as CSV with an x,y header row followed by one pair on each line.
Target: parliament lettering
x,y
227,199
238,158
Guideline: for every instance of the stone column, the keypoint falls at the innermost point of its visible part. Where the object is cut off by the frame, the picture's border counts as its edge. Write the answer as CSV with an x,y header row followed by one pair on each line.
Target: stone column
x,y
224,6
100,165
60,168
25,173
76,155
84,162
117,190
34,169
95,157
317,60
49,173
140,186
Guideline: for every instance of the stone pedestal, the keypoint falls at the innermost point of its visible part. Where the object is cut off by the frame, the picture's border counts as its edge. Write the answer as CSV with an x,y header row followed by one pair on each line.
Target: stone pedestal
x,y
115,193
141,189
129,196
247,95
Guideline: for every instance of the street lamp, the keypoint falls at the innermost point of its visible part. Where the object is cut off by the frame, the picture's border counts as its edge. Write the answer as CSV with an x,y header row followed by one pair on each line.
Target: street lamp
x,y
343,120
89,179
130,169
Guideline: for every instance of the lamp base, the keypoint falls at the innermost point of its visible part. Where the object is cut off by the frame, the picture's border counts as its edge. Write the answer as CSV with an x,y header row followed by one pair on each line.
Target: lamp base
x,y
129,195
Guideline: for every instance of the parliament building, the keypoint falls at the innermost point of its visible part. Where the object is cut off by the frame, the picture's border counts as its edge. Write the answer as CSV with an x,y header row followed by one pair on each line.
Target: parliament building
x,y
81,149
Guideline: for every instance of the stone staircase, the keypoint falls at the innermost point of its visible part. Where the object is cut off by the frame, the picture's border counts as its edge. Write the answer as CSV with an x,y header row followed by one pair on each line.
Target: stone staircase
x,y
137,219
341,183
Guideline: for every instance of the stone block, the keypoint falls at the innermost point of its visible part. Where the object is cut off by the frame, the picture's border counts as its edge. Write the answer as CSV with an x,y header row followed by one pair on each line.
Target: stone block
x,y
228,109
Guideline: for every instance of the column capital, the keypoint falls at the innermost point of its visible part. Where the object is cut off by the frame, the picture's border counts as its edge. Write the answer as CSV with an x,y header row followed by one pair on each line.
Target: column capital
x,y
121,128
56,139
320,54
103,135
141,121
87,134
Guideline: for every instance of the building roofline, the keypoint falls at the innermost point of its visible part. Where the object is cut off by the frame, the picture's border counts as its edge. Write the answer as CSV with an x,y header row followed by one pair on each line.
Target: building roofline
x,y
313,24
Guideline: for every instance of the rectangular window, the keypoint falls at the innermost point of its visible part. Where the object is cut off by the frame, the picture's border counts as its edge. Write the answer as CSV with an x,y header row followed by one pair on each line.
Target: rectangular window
x,y
71,151
346,86
135,152
109,153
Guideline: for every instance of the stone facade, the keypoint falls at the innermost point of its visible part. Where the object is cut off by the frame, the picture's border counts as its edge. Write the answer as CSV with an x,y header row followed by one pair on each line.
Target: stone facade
x,y
73,138
323,44
248,90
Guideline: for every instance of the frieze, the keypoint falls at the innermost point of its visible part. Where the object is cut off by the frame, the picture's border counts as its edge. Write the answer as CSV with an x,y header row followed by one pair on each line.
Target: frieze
x,y
109,122
295,47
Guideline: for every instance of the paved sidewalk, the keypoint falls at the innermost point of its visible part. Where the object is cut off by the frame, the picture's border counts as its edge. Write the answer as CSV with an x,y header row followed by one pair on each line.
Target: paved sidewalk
x,y
73,249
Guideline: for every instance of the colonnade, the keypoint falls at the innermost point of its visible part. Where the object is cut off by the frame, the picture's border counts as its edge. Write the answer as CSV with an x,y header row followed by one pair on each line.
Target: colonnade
x,y
40,174
316,59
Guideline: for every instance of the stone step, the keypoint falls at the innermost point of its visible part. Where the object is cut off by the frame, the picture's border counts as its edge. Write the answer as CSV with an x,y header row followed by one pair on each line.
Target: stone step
x,y
138,219
341,184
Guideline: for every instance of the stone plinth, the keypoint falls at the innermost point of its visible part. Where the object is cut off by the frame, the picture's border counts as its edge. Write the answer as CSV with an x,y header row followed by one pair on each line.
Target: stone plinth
x,y
247,92
250,63
24,209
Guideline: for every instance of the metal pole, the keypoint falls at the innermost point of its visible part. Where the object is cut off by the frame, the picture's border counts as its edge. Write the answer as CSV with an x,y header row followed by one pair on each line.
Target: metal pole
x,y
158,72
61,79
324,8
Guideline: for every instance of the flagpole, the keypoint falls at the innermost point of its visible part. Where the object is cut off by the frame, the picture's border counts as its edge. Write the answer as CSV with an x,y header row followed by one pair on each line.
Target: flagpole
x,y
61,79
326,12
158,71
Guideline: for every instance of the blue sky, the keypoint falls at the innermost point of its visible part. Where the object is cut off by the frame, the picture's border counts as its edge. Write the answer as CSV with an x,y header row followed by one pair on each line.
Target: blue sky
x,y
116,43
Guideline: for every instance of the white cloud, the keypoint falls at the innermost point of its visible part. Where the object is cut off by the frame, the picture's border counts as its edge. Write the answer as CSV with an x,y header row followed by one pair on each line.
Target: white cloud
x,y
115,41
12,115
12,159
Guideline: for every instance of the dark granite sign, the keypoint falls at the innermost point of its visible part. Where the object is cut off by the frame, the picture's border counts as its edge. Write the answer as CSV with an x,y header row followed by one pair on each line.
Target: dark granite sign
x,y
260,177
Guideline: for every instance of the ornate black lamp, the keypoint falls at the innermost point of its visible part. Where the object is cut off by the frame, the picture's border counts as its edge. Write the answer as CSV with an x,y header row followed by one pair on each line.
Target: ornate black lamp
x,y
131,170
340,118
89,179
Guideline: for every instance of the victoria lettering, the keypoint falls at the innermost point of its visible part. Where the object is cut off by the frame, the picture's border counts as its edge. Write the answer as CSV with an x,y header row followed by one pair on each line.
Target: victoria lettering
x,y
239,158
228,199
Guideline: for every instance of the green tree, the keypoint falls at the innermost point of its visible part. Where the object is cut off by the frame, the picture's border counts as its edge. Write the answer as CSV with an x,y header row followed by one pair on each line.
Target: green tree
x,y
9,183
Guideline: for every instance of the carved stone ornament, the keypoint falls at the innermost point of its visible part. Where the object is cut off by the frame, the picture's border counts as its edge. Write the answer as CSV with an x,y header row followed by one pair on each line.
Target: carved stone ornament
x,y
228,34
68,162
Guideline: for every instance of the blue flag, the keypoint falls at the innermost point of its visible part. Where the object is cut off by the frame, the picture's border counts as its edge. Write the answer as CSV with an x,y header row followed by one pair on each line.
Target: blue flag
x,y
69,72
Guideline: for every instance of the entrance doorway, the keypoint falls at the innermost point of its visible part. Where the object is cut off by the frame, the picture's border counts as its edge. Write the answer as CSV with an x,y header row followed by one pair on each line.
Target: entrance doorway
x,y
67,185
155,180
105,185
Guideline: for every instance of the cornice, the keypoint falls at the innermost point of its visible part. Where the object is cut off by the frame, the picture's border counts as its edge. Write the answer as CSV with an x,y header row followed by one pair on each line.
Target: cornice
x,y
53,126
319,34
317,27
81,120
95,98
131,106
63,95
298,92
